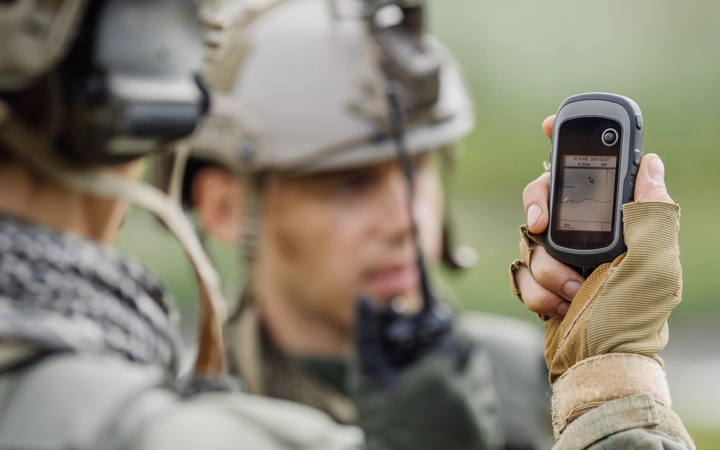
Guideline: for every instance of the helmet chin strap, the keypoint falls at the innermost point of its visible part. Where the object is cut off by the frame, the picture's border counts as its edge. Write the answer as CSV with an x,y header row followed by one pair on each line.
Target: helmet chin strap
x,y
39,154
175,184
394,93
251,233
405,338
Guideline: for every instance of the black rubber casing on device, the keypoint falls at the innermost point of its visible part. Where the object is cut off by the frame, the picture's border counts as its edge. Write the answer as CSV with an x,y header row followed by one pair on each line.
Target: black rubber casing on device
x,y
589,249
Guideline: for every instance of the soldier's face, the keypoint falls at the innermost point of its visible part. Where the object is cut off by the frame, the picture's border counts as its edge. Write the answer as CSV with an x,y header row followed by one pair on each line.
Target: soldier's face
x,y
327,238
330,237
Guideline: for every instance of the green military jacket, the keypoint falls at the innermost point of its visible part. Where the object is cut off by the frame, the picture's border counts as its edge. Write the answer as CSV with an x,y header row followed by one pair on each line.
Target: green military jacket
x,y
91,401
517,369
519,378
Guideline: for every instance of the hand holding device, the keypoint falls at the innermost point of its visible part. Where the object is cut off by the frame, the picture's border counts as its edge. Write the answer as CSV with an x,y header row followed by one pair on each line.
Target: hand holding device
x,y
606,346
545,285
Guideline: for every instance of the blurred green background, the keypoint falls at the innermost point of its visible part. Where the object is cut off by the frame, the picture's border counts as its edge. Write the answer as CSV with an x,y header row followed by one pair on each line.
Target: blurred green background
x,y
521,59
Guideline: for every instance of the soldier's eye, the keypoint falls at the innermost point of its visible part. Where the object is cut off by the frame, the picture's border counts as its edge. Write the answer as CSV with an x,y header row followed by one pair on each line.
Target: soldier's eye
x,y
355,183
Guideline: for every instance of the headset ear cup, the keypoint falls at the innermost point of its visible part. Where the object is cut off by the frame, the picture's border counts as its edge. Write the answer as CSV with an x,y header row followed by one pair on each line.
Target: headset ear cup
x,y
123,102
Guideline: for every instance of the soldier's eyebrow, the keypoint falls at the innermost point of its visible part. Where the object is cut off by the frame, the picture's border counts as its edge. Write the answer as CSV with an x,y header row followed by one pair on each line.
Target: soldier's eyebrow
x,y
336,175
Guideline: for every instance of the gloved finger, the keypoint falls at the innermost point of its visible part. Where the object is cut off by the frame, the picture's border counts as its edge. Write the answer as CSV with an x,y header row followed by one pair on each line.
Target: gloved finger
x,y
547,125
535,200
650,182
553,275
538,299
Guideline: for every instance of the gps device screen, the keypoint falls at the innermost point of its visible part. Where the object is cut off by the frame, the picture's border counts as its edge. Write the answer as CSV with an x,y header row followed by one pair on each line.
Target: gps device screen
x,y
588,152
587,193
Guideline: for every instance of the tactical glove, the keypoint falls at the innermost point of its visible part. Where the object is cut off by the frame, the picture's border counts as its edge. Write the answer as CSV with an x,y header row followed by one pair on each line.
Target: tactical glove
x,y
623,306
606,346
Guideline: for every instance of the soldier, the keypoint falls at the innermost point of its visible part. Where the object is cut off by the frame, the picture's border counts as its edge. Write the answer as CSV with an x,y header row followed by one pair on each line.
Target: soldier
x,y
298,154
299,150
89,344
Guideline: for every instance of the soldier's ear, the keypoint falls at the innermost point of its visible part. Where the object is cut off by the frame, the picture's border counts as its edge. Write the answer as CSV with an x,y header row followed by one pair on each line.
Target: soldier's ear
x,y
219,200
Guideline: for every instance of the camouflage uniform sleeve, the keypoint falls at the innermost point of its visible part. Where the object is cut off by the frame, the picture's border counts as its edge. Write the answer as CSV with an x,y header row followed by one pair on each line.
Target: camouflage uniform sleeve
x,y
96,402
631,422
230,421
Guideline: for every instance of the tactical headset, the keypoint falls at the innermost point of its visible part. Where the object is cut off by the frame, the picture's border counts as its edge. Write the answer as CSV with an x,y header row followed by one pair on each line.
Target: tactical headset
x,y
130,82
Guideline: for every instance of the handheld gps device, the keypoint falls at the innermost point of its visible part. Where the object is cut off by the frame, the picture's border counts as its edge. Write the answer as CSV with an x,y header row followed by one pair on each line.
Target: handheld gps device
x,y
597,145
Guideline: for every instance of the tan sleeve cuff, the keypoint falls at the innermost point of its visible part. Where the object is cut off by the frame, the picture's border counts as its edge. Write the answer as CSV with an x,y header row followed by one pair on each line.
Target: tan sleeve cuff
x,y
600,379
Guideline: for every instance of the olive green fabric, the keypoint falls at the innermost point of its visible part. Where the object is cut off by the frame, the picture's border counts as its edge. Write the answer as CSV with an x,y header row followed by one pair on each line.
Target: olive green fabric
x,y
631,422
520,379
516,364
422,399
273,374
93,401
232,421
331,370
463,404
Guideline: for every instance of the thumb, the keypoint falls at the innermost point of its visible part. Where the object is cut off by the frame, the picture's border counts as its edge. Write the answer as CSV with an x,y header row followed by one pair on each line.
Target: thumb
x,y
548,124
650,183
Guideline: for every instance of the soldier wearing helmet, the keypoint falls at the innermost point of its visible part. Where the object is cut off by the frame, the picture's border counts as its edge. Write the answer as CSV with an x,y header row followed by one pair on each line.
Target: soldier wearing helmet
x,y
297,164
314,166
89,345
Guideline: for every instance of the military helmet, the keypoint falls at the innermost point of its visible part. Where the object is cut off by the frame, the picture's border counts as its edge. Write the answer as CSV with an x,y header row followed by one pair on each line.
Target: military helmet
x,y
308,90
34,35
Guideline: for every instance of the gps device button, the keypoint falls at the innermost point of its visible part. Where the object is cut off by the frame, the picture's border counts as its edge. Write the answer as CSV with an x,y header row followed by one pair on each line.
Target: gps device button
x,y
637,156
638,121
